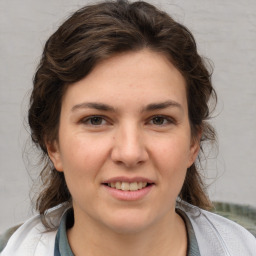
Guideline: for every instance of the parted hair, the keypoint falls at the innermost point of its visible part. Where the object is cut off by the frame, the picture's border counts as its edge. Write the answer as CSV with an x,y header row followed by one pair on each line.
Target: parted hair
x,y
97,32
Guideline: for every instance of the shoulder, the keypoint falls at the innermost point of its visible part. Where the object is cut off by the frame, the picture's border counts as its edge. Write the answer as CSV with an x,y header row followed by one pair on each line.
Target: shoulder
x,y
6,236
217,235
31,238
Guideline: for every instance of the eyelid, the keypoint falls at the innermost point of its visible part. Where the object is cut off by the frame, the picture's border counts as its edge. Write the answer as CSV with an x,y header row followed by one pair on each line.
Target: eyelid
x,y
86,119
170,120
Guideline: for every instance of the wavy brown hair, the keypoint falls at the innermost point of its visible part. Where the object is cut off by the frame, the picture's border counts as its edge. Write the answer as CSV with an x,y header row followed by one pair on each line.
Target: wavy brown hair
x,y
95,33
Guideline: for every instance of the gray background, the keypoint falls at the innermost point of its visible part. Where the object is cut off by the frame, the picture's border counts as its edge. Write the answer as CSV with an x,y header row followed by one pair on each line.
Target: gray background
x,y
225,31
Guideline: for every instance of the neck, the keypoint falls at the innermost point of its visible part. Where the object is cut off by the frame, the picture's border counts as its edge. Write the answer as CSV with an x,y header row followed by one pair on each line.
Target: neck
x,y
166,238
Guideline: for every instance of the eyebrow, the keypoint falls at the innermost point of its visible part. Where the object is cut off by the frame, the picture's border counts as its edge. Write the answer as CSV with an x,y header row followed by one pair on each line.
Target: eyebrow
x,y
105,107
162,105
93,105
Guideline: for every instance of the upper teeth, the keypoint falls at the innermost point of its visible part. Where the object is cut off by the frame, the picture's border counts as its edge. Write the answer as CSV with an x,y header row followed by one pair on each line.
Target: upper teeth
x,y
128,186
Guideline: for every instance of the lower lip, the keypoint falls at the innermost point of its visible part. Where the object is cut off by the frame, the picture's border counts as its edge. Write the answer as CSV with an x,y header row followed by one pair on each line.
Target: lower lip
x,y
129,195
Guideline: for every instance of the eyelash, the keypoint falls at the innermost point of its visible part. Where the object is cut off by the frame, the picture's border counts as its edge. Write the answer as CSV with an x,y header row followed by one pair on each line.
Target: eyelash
x,y
166,120
90,118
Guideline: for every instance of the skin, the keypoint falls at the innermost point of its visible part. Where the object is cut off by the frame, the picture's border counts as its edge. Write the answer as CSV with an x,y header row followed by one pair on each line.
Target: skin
x,y
128,138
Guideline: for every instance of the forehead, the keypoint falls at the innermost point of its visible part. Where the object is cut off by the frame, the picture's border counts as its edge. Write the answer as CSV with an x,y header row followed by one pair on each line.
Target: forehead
x,y
138,78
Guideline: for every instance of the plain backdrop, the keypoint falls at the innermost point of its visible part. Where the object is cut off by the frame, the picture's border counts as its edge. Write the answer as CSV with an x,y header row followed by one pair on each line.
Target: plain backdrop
x,y
225,32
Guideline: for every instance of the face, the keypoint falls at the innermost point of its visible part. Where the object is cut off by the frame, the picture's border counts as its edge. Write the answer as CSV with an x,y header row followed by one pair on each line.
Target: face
x,y
125,142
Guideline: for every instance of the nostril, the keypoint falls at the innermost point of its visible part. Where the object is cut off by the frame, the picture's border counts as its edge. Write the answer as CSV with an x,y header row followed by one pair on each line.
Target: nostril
x,y
118,162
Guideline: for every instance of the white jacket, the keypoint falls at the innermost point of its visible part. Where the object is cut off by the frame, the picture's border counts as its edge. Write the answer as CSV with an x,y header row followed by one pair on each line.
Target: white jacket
x,y
216,236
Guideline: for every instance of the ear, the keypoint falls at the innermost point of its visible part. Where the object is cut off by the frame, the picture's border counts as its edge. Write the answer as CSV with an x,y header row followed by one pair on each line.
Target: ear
x,y
194,148
54,154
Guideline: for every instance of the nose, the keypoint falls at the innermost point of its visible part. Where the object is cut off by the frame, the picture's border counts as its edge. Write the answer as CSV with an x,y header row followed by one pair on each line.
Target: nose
x,y
129,146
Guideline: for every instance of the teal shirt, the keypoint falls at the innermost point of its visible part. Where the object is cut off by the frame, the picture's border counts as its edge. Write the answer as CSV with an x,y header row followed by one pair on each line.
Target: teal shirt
x,y
62,247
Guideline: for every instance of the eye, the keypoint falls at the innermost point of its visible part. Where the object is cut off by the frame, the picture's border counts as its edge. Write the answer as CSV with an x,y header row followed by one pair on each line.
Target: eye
x,y
94,121
161,120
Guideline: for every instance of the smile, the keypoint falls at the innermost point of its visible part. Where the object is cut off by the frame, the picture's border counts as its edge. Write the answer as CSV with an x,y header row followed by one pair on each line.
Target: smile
x,y
127,186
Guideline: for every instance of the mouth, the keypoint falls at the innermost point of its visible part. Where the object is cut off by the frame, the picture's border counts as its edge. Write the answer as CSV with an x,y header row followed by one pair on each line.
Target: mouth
x,y
128,186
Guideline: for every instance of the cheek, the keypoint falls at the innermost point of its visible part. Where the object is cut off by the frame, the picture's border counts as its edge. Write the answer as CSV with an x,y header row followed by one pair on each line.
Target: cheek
x,y
173,151
83,156
171,158
82,160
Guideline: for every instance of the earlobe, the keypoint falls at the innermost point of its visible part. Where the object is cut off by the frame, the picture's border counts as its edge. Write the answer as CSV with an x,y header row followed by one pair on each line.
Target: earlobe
x,y
54,155
194,149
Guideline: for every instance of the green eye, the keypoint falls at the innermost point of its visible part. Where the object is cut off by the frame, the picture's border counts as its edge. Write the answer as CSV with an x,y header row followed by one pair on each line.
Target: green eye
x,y
96,120
159,120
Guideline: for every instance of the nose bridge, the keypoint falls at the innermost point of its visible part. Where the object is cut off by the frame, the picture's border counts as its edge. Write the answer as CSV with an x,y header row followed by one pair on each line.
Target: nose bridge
x,y
129,147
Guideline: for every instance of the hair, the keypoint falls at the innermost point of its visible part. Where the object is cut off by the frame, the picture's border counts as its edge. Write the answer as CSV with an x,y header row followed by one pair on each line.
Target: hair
x,y
97,32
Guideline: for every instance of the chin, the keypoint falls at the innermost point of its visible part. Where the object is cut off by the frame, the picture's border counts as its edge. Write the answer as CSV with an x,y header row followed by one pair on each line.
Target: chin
x,y
128,228
129,223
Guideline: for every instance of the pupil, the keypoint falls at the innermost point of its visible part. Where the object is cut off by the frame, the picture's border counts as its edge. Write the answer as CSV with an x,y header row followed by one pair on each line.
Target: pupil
x,y
158,120
96,120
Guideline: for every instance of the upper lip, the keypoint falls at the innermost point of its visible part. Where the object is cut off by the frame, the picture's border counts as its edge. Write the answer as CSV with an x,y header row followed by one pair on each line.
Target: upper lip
x,y
128,179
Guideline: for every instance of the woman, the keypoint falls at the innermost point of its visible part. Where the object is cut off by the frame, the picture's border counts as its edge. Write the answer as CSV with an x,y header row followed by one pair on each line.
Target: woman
x,y
119,110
